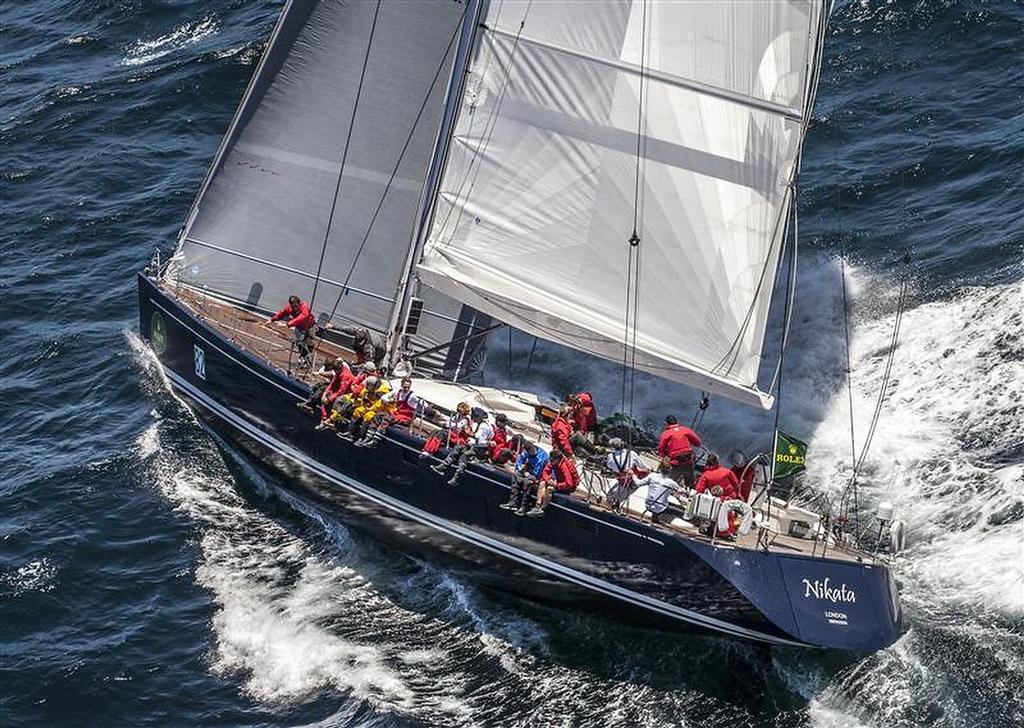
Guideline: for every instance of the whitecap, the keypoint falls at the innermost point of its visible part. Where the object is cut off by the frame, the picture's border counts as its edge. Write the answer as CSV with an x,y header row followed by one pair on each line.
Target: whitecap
x,y
144,51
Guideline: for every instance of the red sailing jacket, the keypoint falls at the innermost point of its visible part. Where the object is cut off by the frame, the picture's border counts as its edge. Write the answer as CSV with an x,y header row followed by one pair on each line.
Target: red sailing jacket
x,y
302,320
561,430
677,443
584,414
340,384
746,480
564,475
500,441
722,477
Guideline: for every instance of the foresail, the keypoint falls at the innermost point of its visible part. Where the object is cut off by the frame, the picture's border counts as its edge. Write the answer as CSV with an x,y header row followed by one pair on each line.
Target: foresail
x,y
257,231
537,200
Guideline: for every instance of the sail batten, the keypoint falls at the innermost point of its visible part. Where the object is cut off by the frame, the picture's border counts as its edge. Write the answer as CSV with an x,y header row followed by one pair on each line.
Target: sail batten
x,y
537,201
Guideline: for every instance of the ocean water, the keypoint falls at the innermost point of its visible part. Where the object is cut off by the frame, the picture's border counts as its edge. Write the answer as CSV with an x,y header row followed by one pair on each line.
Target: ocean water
x,y
150,577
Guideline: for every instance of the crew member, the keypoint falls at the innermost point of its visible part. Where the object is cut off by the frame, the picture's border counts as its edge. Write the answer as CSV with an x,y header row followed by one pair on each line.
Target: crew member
x,y
303,325
561,431
528,469
624,464
477,448
322,396
457,432
676,449
744,472
502,435
405,405
351,392
583,416
659,487
512,450
559,474
367,406
718,480
365,345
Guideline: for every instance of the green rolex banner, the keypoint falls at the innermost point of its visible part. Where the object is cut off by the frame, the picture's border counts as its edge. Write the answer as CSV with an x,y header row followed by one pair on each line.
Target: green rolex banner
x,y
790,456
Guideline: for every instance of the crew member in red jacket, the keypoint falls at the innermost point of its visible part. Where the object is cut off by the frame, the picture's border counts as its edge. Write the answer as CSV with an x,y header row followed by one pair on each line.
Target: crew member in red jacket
x,y
559,474
302,322
718,480
406,404
676,449
501,435
584,414
744,472
561,431
323,395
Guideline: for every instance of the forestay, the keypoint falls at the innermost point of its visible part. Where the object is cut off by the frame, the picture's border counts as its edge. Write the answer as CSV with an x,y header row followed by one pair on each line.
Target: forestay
x,y
257,230
537,200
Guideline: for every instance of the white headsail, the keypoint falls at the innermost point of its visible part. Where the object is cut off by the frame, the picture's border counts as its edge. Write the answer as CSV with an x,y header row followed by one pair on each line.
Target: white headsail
x,y
537,199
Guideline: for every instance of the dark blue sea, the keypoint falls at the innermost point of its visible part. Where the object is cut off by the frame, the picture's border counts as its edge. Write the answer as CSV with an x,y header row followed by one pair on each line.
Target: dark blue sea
x,y
149,577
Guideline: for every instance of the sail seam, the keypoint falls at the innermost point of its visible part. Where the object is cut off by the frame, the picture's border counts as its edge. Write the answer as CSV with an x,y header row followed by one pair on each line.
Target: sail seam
x,y
668,78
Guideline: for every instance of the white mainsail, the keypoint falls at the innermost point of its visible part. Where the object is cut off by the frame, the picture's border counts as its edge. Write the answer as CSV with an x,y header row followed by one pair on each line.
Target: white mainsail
x,y
259,226
537,199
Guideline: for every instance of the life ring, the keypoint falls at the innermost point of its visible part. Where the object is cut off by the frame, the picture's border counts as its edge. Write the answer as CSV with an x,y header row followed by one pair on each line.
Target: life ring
x,y
740,508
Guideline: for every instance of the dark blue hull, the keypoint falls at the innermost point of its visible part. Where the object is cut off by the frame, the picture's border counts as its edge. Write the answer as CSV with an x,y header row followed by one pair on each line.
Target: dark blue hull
x,y
589,558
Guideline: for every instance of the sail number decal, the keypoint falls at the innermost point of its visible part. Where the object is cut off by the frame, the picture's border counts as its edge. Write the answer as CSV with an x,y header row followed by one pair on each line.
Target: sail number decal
x,y
200,361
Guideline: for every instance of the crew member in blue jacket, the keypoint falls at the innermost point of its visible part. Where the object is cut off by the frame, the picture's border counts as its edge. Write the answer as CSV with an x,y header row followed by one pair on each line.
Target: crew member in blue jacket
x,y
529,465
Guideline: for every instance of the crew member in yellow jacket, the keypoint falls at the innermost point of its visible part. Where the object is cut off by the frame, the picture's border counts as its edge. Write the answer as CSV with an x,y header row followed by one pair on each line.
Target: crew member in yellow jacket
x,y
368,404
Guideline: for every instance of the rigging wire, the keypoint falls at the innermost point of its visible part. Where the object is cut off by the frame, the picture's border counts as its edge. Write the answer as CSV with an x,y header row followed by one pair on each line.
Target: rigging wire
x,y
398,163
633,251
344,154
790,292
849,372
785,317
883,390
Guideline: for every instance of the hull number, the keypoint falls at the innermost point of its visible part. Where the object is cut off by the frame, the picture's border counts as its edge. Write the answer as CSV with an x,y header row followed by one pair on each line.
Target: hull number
x,y
200,359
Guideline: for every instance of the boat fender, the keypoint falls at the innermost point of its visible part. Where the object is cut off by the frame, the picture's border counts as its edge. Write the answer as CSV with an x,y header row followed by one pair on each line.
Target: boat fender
x,y
897,536
740,508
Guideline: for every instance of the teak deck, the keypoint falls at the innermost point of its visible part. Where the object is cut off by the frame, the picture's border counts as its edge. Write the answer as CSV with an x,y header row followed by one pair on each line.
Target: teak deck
x,y
274,344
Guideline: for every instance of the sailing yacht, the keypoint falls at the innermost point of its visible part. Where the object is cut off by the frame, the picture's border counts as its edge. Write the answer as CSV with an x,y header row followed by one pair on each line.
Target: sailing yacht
x,y
614,176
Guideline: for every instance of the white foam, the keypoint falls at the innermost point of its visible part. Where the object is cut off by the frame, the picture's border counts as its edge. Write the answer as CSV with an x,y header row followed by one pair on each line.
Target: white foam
x,y
147,443
947,453
145,51
952,418
39,575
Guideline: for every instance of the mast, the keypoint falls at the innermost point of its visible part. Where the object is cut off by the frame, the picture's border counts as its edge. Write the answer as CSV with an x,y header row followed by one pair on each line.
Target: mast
x,y
403,297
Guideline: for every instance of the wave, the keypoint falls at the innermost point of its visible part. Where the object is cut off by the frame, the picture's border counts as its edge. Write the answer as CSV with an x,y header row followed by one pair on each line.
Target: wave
x,y
186,34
